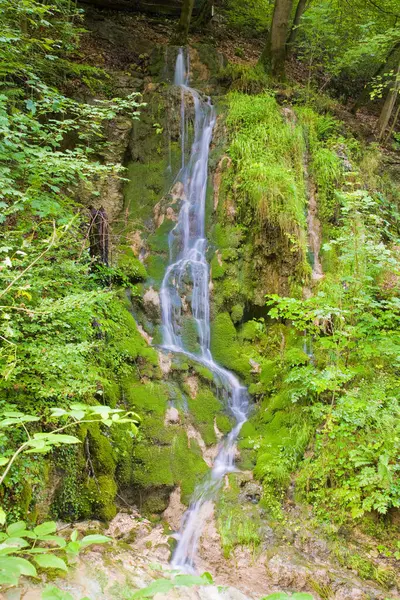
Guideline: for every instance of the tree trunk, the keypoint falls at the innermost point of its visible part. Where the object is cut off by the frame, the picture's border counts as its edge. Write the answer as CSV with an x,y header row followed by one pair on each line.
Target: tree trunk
x,y
389,104
182,31
274,55
301,7
98,235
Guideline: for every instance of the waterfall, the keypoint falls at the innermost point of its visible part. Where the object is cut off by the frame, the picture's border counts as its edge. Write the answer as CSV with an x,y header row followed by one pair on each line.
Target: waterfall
x,y
188,267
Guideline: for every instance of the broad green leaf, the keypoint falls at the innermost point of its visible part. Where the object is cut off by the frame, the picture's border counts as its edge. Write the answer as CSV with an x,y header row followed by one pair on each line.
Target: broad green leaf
x,y
3,460
74,535
159,586
53,593
49,561
16,542
94,539
73,547
15,528
58,412
45,528
15,562
54,538
57,438
189,580
3,517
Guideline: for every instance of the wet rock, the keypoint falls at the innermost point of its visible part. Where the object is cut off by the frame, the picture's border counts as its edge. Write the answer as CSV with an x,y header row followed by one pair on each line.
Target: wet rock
x,y
255,366
172,416
347,593
165,362
193,385
287,575
174,512
251,492
152,306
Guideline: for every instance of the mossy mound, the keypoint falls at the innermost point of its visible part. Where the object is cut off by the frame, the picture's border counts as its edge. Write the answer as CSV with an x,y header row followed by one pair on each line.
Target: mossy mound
x,y
130,266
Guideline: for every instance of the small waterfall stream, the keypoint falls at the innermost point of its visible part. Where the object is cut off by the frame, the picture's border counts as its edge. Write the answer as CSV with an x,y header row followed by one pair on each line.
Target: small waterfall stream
x,y
188,266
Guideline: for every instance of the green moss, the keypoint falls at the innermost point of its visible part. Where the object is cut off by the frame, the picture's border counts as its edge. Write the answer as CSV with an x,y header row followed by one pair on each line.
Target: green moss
x,y
190,335
188,465
123,445
100,451
217,269
224,423
145,397
102,491
225,347
204,409
156,266
158,241
203,372
237,313
153,466
249,331
130,265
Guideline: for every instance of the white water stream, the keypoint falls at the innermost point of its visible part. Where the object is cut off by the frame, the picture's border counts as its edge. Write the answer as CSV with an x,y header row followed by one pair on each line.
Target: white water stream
x,y
188,269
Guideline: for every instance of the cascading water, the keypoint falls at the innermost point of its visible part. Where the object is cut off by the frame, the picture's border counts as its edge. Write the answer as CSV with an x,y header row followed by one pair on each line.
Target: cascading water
x,y
188,267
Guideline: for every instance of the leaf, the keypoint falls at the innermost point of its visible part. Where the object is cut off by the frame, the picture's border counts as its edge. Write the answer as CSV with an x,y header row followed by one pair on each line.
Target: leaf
x,y
94,539
23,566
74,535
53,593
45,528
54,538
58,412
31,106
3,516
16,542
15,528
159,586
3,461
74,547
49,561
189,580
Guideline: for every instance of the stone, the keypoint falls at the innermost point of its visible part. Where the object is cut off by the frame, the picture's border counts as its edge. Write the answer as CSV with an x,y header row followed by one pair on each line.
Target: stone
x,y
152,305
251,492
286,574
172,416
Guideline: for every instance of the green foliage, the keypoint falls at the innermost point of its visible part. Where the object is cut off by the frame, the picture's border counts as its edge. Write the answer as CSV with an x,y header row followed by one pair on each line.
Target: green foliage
x,y
245,78
21,547
250,18
238,525
267,154
351,382
162,586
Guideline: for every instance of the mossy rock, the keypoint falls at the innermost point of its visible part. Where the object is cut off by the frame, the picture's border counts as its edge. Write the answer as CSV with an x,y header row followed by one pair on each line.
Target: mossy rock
x,y
204,408
100,450
188,465
145,397
237,313
226,348
130,265
158,241
102,491
156,266
217,269
190,335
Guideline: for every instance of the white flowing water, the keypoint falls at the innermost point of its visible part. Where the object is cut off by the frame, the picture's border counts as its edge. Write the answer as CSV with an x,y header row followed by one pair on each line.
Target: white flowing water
x,y
188,270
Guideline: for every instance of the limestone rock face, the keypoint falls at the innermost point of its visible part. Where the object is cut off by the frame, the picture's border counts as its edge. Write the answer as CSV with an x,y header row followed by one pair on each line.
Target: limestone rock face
x,y
152,306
